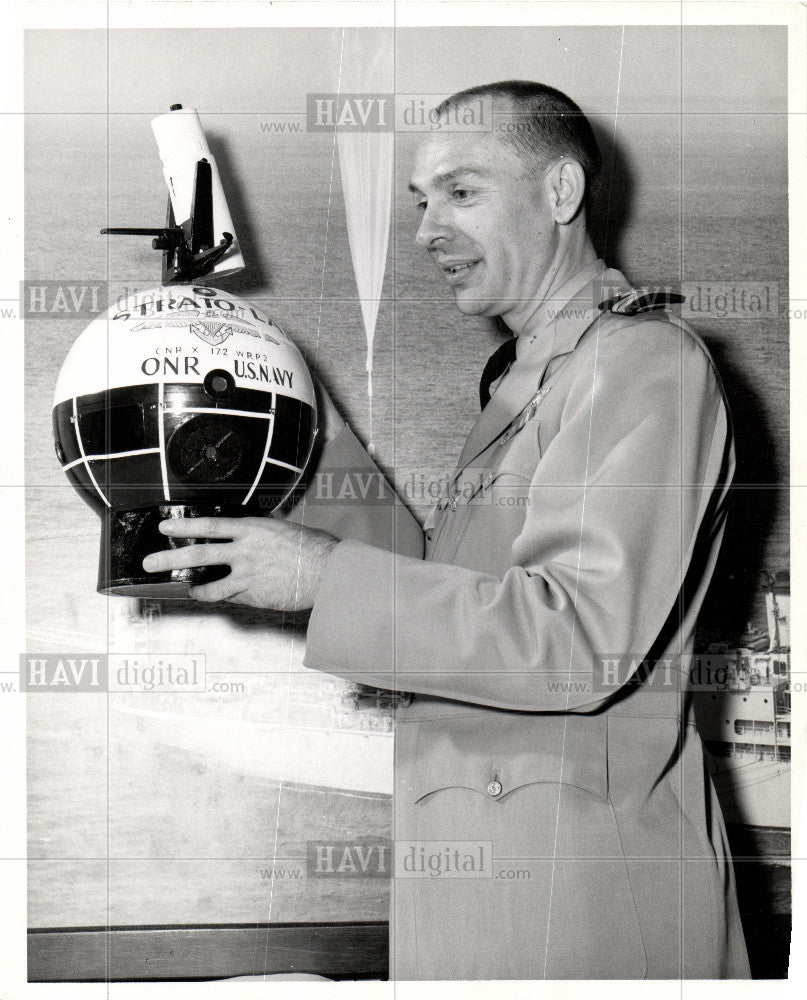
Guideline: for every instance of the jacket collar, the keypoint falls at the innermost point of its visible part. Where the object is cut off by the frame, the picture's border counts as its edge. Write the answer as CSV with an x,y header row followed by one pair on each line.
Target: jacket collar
x,y
561,323
570,312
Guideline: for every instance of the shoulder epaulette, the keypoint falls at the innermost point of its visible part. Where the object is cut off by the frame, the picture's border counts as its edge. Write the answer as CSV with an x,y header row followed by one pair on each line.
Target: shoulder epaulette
x,y
642,300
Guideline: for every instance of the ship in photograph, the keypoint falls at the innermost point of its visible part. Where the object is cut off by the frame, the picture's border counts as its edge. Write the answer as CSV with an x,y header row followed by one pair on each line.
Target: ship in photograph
x,y
745,725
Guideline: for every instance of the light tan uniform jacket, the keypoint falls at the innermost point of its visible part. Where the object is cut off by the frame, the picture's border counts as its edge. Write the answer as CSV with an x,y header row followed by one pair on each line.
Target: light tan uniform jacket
x,y
589,533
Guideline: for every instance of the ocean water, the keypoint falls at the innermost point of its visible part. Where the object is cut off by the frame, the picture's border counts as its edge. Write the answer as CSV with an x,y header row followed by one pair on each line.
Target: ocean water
x,y
107,816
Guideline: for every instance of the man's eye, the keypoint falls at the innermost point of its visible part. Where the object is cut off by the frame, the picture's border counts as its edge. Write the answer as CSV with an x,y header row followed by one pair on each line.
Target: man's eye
x,y
460,194
421,205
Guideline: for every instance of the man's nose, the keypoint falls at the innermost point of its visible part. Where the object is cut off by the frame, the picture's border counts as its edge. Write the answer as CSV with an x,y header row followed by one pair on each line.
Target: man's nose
x,y
434,225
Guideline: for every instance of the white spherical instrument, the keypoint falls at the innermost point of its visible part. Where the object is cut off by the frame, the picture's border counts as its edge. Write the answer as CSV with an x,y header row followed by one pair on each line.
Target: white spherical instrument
x,y
180,401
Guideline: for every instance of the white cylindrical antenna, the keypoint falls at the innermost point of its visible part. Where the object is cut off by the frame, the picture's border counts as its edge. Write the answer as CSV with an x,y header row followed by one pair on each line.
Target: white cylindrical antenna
x,y
181,142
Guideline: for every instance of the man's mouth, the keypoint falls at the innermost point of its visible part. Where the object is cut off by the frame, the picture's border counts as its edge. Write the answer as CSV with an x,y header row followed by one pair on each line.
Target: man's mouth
x,y
456,271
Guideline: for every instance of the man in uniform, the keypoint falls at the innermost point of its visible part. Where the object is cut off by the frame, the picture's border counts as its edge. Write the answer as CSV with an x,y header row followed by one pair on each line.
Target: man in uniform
x,y
545,635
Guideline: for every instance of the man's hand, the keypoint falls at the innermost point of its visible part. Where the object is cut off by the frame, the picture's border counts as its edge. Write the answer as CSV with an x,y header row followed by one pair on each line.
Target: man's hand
x,y
273,564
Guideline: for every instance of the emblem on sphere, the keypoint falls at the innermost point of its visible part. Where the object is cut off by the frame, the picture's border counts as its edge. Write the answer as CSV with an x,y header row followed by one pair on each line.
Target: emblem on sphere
x,y
211,332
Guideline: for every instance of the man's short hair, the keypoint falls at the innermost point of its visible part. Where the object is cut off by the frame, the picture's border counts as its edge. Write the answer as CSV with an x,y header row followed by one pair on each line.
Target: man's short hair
x,y
545,123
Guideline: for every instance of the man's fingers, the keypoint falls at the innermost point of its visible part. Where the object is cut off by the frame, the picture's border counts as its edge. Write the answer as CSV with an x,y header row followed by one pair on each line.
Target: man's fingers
x,y
202,527
219,590
188,556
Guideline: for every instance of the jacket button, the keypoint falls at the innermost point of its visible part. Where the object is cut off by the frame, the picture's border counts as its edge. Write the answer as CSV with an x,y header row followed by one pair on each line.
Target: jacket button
x,y
495,788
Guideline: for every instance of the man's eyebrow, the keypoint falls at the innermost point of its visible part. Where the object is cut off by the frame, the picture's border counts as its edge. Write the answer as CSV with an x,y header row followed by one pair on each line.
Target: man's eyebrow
x,y
452,175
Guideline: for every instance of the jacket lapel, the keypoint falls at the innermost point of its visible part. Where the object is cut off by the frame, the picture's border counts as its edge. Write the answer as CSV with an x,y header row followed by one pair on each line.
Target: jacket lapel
x,y
558,337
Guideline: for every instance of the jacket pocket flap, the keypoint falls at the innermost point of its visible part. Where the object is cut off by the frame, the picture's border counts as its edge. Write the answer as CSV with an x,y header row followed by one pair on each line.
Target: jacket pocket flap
x,y
510,750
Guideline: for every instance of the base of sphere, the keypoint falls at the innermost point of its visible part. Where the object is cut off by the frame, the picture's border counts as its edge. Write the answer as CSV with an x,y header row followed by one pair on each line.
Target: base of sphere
x,y
128,536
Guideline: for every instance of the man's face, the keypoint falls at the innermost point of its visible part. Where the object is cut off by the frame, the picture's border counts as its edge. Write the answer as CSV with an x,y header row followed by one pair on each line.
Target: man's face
x,y
486,223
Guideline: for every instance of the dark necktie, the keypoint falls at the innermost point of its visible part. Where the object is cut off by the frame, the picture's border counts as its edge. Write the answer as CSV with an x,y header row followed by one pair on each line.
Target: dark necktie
x,y
496,366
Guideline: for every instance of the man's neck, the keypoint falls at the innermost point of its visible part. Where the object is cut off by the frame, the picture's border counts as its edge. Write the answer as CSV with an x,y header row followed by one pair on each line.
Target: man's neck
x,y
569,261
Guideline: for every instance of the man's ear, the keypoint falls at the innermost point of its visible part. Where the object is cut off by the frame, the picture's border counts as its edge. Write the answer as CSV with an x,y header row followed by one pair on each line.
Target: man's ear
x,y
565,189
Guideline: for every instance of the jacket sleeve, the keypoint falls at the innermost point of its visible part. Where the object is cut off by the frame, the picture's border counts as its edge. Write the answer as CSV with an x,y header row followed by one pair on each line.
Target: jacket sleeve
x,y
615,507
